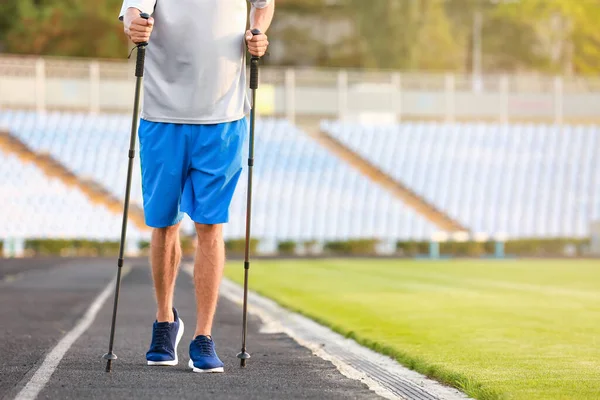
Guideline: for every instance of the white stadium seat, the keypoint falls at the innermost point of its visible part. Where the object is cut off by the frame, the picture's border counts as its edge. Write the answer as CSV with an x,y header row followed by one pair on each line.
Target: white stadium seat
x,y
35,206
524,180
301,192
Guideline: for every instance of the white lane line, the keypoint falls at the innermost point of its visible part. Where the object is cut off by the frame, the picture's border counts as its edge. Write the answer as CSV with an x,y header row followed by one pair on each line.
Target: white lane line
x,y
322,341
45,371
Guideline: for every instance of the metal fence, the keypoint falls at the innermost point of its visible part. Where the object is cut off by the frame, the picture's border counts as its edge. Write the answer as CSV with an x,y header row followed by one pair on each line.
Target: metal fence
x,y
374,96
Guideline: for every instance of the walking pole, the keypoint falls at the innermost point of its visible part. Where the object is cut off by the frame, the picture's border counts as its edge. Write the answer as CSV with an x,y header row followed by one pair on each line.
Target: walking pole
x,y
243,355
139,73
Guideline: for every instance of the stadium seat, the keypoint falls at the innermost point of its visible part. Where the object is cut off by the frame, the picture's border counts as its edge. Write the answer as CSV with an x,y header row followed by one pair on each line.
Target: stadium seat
x,y
524,180
301,191
35,206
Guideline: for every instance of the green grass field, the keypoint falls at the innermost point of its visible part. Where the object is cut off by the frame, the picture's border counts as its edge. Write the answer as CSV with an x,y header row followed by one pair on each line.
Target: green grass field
x,y
495,329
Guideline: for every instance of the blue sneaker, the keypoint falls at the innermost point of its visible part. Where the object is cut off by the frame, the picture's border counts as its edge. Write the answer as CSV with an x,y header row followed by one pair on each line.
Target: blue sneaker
x,y
165,338
203,357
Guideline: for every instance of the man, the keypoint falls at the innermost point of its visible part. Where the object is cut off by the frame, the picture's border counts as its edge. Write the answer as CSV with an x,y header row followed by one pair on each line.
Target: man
x,y
191,134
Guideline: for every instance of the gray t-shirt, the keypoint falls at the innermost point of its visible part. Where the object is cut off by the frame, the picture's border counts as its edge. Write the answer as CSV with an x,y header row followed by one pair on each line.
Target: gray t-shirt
x,y
195,63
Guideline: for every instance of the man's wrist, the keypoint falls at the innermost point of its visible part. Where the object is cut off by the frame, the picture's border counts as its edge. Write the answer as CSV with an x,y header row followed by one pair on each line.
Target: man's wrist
x,y
130,14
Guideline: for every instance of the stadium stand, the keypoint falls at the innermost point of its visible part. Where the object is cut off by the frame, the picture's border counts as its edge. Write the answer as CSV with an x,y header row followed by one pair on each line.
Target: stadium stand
x,y
35,206
301,191
521,180
91,146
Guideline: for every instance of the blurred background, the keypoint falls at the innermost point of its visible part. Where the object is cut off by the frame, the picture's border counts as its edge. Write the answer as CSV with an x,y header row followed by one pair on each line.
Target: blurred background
x,y
394,127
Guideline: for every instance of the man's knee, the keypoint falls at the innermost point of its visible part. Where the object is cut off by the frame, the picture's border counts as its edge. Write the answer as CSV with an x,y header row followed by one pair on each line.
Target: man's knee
x,y
209,232
167,234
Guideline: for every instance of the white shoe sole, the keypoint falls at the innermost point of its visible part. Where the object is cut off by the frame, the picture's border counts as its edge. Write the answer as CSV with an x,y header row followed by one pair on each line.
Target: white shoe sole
x,y
204,371
176,360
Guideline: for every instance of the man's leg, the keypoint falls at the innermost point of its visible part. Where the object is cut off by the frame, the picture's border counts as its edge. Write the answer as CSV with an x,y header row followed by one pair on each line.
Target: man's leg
x,y
164,165
216,164
165,256
167,330
208,271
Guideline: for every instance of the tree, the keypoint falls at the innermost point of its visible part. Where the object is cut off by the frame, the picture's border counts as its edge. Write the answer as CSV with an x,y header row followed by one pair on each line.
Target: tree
x,y
8,17
436,47
67,28
405,34
557,36
566,31
312,32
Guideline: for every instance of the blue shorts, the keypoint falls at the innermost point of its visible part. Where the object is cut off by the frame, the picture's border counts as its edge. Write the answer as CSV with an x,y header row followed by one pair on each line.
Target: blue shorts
x,y
192,169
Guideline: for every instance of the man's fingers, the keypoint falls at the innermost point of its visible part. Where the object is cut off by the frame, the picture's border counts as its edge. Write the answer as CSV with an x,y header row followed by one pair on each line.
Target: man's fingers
x,y
264,43
253,46
261,50
255,38
258,38
139,38
258,52
257,44
143,21
140,28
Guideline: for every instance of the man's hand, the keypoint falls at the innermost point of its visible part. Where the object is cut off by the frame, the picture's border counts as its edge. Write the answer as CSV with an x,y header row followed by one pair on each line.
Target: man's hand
x,y
257,45
137,28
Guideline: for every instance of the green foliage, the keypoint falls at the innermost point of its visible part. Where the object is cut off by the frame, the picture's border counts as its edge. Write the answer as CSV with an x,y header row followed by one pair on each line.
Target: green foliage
x,y
188,245
552,36
464,249
411,249
287,247
566,31
522,247
237,246
352,247
404,34
66,28
545,247
525,247
8,10
67,247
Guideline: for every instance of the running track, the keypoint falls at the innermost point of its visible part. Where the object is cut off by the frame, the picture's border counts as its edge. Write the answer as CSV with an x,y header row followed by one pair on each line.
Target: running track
x,y
42,300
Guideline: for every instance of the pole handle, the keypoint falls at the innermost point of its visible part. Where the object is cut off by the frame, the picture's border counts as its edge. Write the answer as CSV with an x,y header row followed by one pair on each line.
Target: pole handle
x,y
141,53
254,65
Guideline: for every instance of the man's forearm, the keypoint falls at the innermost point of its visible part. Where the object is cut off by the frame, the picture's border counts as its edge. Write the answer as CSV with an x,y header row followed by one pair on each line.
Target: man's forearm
x,y
260,18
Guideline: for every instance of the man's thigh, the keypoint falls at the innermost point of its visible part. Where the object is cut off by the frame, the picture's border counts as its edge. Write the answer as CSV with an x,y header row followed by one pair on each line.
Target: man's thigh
x,y
215,168
164,162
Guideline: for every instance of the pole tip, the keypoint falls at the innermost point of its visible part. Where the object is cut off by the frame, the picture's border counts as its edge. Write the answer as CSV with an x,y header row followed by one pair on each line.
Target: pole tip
x,y
109,357
243,356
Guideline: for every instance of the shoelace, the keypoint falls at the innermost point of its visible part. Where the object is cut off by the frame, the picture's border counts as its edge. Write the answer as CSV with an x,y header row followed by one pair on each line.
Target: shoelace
x,y
161,336
205,345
